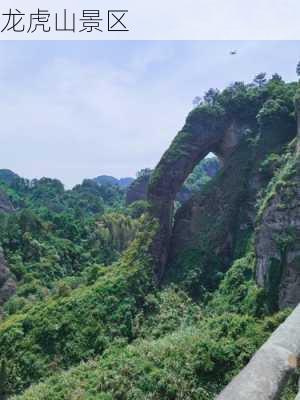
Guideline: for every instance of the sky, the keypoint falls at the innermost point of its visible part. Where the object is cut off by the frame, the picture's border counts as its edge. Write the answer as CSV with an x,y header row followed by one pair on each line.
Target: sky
x,y
78,109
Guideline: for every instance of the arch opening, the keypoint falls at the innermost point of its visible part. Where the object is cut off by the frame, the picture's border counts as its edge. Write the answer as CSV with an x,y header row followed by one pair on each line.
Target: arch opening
x,y
202,173
203,133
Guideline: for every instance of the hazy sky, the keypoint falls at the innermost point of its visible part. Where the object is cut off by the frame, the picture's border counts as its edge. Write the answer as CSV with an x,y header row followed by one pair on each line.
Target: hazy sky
x,y
74,110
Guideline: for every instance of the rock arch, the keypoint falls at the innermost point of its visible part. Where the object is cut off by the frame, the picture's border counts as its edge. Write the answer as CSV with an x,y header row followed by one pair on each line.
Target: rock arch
x,y
207,129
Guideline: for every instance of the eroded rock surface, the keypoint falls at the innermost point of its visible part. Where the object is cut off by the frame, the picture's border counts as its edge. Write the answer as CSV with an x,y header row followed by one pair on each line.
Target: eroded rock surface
x,y
138,190
278,240
208,227
205,131
203,172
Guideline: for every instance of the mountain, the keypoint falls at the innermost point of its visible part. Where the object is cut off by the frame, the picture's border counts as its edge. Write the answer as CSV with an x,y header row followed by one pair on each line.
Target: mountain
x,y
8,177
170,302
106,179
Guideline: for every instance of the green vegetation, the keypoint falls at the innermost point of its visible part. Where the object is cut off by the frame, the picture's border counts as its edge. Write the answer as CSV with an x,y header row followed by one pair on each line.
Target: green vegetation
x,y
238,292
284,169
75,326
191,363
202,174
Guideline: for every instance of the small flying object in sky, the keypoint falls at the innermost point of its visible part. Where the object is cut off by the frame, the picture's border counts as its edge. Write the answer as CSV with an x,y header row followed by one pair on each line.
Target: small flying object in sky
x,y
233,53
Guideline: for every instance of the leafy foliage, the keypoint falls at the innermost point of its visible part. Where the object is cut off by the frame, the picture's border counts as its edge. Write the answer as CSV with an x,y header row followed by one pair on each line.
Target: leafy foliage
x,y
56,234
63,331
191,363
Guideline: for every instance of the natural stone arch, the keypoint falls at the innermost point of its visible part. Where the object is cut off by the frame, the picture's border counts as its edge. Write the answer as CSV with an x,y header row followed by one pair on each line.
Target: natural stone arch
x,y
207,129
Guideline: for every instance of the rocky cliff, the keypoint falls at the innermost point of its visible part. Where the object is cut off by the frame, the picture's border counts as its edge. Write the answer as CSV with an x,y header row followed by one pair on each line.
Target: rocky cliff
x,y
207,129
214,227
203,172
138,190
278,233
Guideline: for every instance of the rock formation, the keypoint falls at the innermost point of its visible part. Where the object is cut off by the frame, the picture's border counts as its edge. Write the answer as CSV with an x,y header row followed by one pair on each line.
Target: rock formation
x,y
226,214
278,243
138,190
207,227
278,263
203,172
205,131
278,234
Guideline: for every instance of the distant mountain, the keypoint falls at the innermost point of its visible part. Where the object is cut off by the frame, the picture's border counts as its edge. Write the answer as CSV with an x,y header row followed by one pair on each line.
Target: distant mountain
x,y
122,182
8,177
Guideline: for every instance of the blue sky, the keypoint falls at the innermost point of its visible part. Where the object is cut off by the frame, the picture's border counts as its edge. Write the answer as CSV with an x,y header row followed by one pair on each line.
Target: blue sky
x,y
73,110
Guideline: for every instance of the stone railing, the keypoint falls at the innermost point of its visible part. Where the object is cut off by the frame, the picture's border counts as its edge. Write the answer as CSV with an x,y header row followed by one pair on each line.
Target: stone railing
x,y
268,371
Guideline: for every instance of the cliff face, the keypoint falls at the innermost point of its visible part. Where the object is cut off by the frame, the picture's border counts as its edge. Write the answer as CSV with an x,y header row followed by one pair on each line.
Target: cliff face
x,y
278,240
213,229
138,190
278,233
207,129
216,227
209,227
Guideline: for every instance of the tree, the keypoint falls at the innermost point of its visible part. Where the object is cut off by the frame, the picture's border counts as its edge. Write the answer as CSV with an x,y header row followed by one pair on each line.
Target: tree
x,y
276,78
3,380
260,79
211,96
298,69
144,172
197,101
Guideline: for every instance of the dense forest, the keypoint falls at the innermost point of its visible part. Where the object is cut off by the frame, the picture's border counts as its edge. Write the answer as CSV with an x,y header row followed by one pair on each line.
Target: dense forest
x,y
83,312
